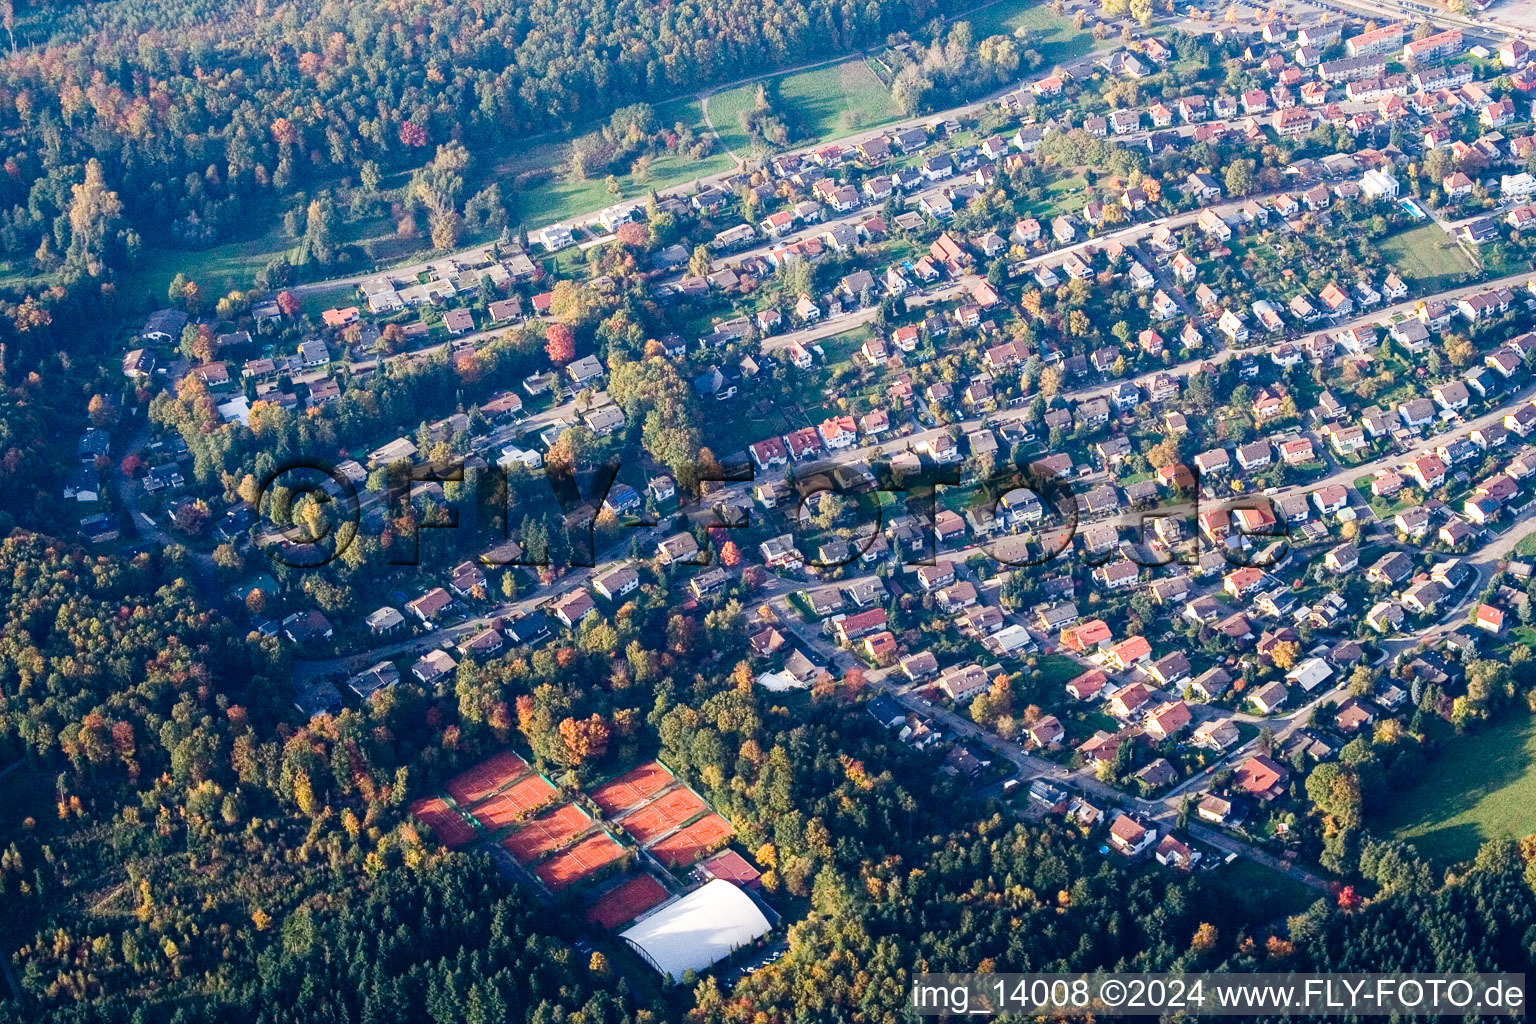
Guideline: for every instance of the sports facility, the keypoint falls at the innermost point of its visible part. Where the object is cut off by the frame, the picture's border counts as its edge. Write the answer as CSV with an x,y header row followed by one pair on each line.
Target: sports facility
x,y
734,868
702,928
635,786
581,860
547,833
683,847
450,829
650,821
623,903
485,778
515,803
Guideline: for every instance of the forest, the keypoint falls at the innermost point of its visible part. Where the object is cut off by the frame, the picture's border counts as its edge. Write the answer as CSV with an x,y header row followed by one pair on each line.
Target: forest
x,y
179,847
191,111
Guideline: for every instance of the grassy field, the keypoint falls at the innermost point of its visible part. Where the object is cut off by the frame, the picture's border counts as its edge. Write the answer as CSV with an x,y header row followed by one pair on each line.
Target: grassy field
x,y
219,270
1482,786
1526,547
726,110
1063,194
232,266
1055,38
1056,670
838,99
824,103
1426,256
544,196
1258,893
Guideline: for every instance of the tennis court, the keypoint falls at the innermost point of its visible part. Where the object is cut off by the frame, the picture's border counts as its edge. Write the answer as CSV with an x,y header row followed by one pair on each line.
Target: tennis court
x,y
685,846
485,778
664,813
548,833
450,829
633,787
576,863
733,867
515,803
624,903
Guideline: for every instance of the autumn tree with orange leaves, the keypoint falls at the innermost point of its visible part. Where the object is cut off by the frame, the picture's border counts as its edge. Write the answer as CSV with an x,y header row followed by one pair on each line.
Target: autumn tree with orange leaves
x,y
586,739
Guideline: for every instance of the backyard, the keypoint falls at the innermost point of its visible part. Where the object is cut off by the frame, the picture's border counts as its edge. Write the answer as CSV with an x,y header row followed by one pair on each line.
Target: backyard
x,y
1481,786
1427,257
1062,194
1056,670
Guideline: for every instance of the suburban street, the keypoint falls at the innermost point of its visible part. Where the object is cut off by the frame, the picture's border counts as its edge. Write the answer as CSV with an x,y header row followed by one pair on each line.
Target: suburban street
x,y
773,595
784,511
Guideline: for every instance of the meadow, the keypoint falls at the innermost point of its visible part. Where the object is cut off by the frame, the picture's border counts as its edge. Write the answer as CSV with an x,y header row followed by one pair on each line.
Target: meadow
x,y
821,103
1482,786
1426,256
1055,38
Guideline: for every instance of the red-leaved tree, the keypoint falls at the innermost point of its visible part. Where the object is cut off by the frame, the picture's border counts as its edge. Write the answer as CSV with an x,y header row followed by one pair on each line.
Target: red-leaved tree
x,y
560,343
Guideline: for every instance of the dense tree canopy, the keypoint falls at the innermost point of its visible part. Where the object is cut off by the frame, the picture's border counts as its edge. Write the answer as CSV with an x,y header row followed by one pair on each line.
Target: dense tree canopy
x,y
191,108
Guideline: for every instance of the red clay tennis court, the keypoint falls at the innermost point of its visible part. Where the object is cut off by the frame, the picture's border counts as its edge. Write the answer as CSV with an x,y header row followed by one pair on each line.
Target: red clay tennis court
x,y
733,867
685,846
665,812
635,786
450,829
485,778
547,834
514,804
579,861
621,905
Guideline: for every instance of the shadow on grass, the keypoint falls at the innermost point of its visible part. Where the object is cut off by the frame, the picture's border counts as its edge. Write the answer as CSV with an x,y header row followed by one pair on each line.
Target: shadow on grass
x,y
1482,785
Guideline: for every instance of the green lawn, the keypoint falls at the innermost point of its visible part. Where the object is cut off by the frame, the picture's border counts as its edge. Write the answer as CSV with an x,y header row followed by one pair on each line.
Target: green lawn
x,y
838,99
232,266
822,103
841,348
1053,37
1056,670
726,110
221,269
1426,256
1063,194
314,303
1482,786
1527,545
547,196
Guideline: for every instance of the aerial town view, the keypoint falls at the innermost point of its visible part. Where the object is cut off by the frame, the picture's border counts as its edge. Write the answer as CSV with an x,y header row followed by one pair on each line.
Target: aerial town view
x,y
766,513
